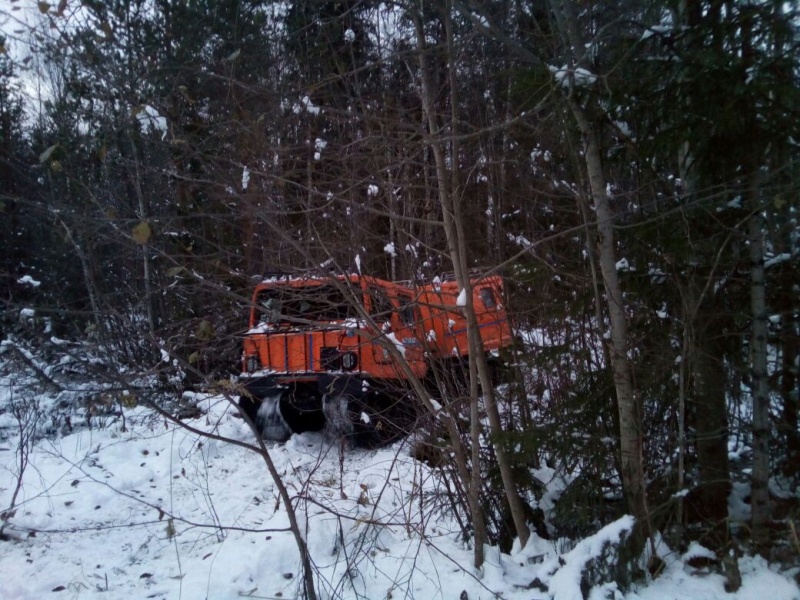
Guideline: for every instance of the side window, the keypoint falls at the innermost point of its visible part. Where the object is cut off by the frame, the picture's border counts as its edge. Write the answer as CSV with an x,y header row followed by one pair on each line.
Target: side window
x,y
270,311
381,307
488,298
408,311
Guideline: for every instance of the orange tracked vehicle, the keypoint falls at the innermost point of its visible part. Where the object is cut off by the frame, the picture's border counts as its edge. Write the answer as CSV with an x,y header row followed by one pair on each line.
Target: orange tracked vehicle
x,y
319,351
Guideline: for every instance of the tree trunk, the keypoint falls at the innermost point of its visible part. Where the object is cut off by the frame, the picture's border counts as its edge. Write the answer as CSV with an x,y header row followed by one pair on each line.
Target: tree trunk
x,y
709,412
143,215
790,391
477,353
630,427
760,386
473,492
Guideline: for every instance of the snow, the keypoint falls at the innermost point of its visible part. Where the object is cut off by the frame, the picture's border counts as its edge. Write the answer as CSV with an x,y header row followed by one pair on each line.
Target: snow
x,y
146,508
734,204
695,550
245,178
349,35
519,240
158,511
390,250
397,343
776,260
260,328
150,120
656,29
351,323
535,155
624,128
657,276
372,190
567,77
479,19
28,280
462,298
623,265
566,583
319,146
307,105
314,110
758,582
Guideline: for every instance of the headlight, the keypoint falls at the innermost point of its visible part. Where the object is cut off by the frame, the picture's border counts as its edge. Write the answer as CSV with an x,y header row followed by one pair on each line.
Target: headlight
x,y
251,364
349,361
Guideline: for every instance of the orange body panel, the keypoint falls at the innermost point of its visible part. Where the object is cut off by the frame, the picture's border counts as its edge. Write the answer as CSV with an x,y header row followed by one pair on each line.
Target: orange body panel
x,y
445,319
422,323
313,347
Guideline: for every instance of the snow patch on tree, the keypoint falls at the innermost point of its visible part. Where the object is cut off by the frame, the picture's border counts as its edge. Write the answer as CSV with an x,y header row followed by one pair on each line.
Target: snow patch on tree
x,y
28,280
566,77
307,105
776,260
319,146
151,120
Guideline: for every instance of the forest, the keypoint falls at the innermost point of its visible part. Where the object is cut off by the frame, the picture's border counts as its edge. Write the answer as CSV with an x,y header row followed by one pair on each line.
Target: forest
x,y
630,169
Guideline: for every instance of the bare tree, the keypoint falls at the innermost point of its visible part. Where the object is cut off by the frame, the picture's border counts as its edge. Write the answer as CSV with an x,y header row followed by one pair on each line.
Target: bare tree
x,y
26,416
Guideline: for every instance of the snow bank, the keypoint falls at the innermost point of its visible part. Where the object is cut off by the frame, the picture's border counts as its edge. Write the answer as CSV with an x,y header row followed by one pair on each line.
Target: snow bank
x,y
152,510
566,583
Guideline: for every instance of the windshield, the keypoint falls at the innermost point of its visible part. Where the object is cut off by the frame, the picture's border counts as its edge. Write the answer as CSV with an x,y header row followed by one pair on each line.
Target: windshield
x,y
299,305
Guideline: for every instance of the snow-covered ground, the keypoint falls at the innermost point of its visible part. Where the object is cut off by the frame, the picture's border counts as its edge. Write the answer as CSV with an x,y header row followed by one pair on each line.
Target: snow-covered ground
x,y
155,511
